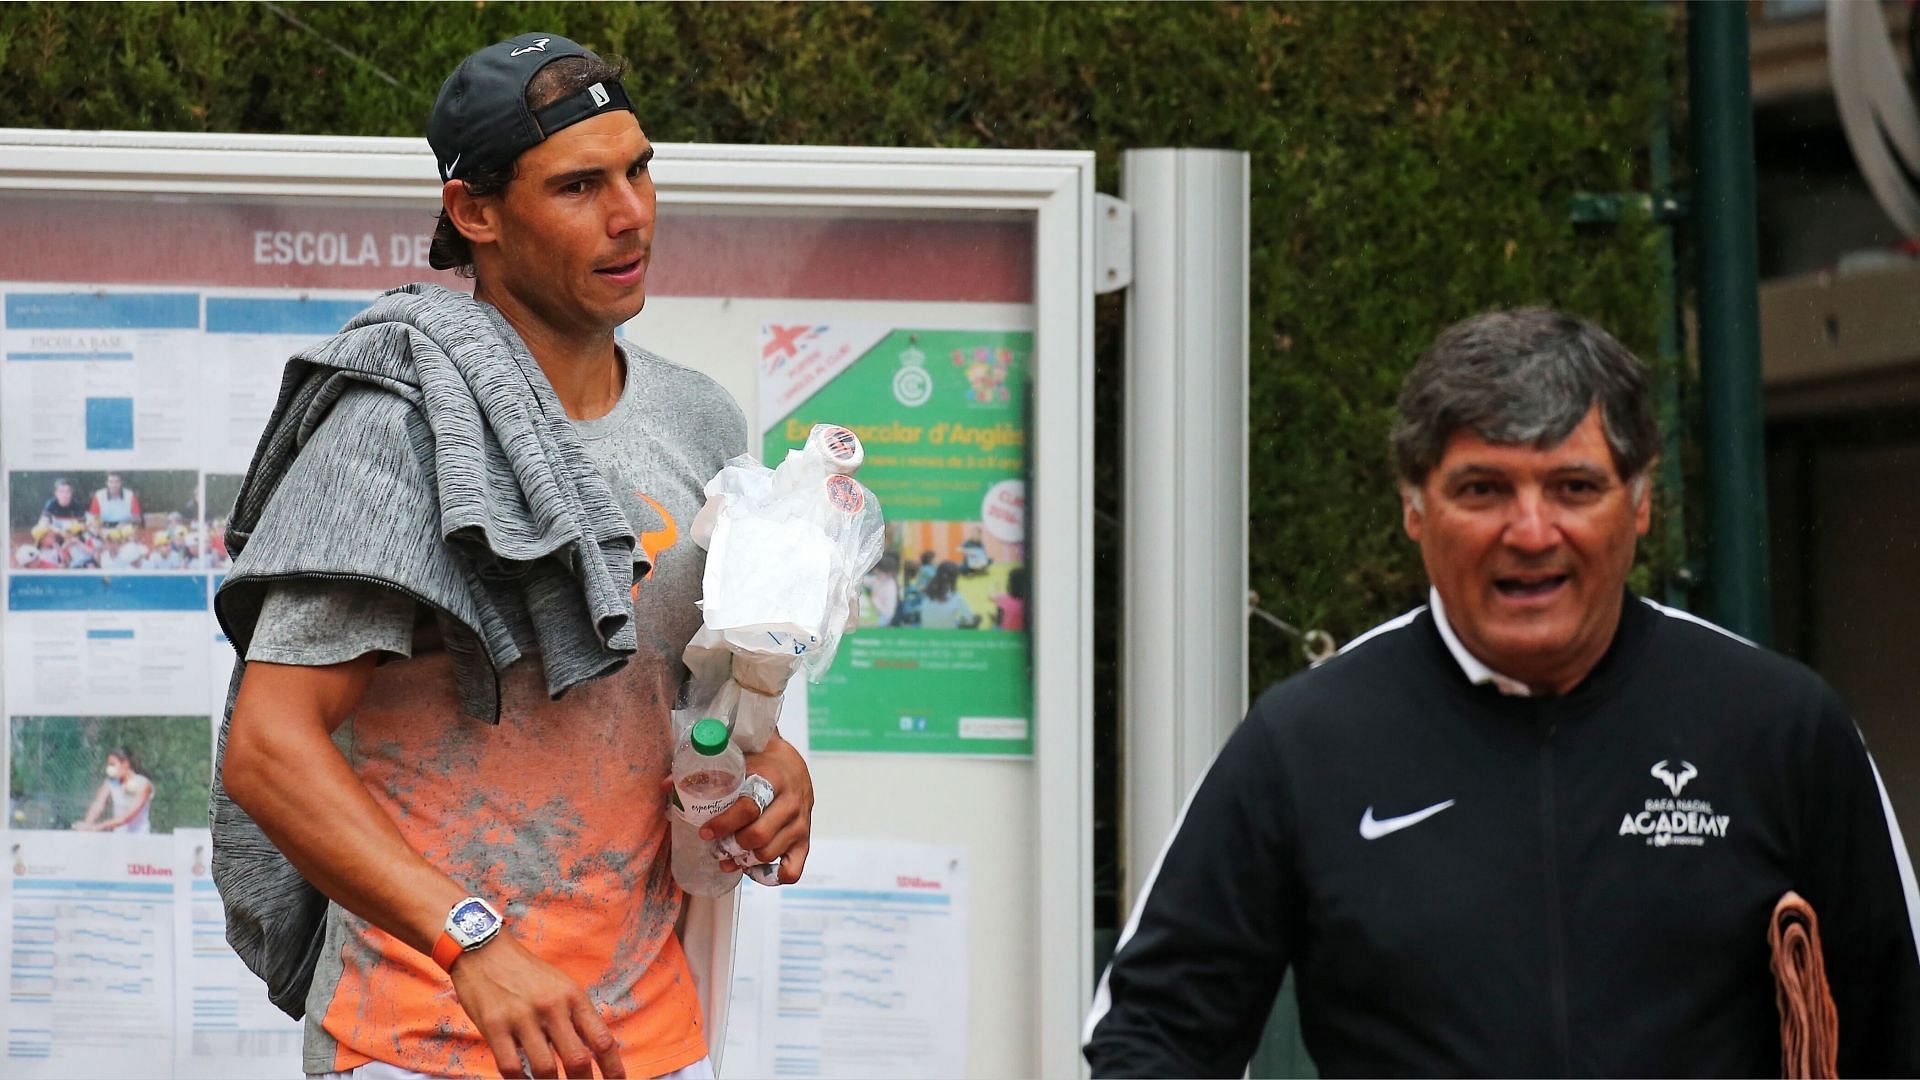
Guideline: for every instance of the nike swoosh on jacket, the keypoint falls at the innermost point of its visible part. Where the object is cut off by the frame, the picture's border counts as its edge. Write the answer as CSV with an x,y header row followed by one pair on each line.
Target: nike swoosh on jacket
x,y
1371,829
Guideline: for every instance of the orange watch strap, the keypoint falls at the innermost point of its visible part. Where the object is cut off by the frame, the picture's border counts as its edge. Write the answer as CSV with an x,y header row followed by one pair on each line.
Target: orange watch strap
x,y
446,951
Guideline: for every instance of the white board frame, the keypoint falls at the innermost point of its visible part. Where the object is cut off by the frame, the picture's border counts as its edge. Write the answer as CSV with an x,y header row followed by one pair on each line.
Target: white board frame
x,y
1056,187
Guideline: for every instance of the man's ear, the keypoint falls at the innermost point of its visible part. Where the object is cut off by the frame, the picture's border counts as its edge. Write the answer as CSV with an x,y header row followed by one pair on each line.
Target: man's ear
x,y
1412,511
1642,491
472,214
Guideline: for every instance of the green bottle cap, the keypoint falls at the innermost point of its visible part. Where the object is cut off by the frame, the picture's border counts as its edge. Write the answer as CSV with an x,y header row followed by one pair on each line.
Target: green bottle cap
x,y
710,737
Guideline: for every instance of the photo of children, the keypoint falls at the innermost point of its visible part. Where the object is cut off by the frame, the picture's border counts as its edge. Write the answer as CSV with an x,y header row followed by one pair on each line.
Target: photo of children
x,y
945,575
133,519
120,774
222,490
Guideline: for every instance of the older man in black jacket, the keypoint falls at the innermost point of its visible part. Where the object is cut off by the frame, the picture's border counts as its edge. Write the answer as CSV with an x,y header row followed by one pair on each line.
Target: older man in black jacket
x,y
1539,825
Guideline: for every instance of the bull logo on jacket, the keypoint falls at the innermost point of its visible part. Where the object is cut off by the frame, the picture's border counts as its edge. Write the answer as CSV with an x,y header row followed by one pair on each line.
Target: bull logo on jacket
x,y
1674,783
1674,821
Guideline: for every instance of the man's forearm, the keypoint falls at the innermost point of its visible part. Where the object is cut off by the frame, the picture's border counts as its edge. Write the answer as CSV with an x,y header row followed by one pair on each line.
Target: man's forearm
x,y
326,823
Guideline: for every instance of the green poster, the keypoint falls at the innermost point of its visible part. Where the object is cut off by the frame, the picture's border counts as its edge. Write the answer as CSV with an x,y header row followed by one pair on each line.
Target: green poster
x,y
941,661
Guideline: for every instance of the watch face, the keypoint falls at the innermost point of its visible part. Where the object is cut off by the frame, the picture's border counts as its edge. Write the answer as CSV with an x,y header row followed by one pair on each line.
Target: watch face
x,y
472,920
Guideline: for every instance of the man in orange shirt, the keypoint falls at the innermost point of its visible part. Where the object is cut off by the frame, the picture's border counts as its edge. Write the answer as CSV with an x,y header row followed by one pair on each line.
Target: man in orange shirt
x,y
500,898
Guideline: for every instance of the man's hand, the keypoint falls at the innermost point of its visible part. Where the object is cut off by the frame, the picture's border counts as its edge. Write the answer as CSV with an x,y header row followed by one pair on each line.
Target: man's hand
x,y
783,830
526,1006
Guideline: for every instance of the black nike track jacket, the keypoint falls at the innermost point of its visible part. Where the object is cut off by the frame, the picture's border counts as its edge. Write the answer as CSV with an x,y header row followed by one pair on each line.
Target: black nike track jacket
x,y
1467,883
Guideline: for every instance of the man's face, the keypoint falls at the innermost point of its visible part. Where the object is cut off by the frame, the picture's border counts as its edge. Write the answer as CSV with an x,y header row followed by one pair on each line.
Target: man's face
x,y
573,232
1529,550
63,493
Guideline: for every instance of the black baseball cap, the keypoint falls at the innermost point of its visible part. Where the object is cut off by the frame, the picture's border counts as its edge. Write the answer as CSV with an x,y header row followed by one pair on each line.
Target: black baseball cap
x,y
481,119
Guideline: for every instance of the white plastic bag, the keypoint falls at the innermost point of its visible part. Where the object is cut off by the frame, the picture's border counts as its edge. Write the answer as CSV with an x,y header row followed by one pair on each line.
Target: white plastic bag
x,y
787,548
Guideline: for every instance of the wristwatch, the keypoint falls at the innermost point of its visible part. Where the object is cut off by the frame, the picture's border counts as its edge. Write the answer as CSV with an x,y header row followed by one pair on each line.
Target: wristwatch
x,y
470,924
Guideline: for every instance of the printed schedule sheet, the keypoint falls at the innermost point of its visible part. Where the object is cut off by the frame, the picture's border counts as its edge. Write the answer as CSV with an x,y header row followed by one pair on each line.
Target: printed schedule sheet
x,y
128,416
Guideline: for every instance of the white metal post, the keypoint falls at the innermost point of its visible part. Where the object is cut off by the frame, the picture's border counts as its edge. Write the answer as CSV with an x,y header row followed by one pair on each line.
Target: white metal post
x,y
1185,593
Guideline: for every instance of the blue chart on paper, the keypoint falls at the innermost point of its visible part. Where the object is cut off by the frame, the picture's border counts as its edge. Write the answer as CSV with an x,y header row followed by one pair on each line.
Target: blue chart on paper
x,y
109,423
98,311
315,316
107,592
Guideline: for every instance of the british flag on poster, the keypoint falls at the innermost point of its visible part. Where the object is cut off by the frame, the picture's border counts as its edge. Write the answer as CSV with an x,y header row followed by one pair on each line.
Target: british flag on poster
x,y
797,359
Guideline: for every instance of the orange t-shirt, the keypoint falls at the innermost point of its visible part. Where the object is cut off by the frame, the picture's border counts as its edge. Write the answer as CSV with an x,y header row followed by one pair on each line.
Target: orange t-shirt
x,y
556,815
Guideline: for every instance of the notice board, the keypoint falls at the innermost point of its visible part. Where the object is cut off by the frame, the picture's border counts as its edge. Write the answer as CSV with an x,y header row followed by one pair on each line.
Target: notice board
x,y
937,303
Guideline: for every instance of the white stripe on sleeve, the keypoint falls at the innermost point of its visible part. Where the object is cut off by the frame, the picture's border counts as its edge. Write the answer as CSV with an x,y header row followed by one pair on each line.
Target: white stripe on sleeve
x,y
1688,616
1394,623
1102,996
1902,860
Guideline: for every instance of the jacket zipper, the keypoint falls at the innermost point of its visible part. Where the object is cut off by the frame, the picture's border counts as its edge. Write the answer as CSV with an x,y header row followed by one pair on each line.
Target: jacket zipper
x,y
1556,918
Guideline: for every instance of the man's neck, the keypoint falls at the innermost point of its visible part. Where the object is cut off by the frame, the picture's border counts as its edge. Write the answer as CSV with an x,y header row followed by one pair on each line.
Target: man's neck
x,y
584,369
1551,681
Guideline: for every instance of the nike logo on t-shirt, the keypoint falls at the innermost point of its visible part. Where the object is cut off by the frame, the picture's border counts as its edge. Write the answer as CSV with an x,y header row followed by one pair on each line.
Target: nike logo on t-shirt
x,y
654,542
1374,830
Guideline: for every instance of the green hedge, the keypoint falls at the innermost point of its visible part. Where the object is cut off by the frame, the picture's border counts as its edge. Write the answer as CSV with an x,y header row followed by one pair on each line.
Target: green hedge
x,y
1412,165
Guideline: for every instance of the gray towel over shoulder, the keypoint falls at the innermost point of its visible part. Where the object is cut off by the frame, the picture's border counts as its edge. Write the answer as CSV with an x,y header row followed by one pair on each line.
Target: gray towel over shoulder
x,y
421,448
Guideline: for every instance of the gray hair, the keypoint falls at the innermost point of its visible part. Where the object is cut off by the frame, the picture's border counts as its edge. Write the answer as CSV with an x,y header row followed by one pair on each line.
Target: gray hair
x,y
1529,375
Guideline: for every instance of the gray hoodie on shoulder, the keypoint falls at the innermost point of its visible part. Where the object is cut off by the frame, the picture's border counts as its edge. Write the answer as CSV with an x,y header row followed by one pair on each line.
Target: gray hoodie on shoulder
x,y
421,449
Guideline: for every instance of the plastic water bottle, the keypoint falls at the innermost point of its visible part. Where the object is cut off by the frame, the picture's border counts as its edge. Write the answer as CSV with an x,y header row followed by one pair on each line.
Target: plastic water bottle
x,y
708,771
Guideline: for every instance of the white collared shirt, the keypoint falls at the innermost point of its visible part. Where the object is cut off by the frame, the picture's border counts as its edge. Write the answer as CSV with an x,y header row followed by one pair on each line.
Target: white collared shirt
x,y
1477,673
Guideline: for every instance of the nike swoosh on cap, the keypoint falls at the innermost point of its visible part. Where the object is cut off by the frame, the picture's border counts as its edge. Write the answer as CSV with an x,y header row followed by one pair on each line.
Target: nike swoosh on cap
x,y
1374,830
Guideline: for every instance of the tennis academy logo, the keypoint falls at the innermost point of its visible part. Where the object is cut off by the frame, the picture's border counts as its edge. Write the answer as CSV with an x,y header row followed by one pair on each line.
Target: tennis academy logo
x,y
1674,821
